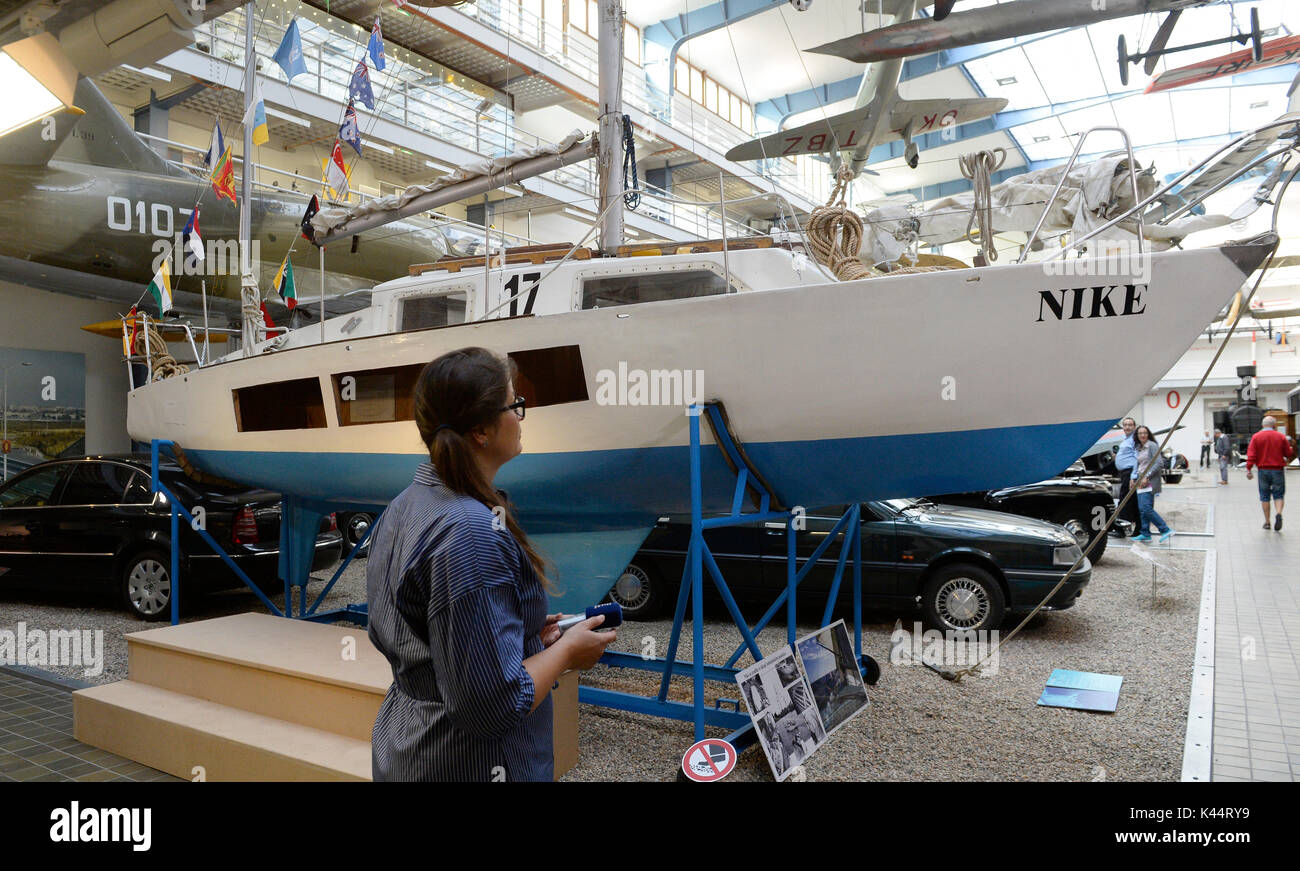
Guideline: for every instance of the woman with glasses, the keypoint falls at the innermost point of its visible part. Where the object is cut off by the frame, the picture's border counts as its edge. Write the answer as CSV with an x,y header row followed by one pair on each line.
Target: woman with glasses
x,y
457,596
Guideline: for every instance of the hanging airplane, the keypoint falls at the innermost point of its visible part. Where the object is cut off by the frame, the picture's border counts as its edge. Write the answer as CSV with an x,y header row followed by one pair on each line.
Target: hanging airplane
x,y
1279,52
879,115
89,206
906,38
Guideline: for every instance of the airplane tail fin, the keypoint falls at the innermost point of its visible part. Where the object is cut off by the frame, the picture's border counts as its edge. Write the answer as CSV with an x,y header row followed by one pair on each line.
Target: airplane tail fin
x,y
36,143
104,138
93,132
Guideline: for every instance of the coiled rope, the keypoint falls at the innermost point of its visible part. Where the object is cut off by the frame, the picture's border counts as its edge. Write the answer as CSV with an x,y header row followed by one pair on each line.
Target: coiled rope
x,y
835,233
161,363
979,168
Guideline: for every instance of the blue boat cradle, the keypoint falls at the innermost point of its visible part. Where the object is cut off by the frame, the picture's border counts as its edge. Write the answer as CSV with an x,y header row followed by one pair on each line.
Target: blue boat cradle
x,y
749,482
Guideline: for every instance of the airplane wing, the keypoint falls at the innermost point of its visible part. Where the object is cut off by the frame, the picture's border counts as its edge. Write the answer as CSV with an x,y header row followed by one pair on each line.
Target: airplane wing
x,y
1279,52
985,24
838,132
928,116
851,129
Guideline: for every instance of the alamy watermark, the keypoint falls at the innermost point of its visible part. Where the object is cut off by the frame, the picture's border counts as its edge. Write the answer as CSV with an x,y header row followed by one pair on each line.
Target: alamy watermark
x,y
1112,259
628,386
220,257
66,648
948,649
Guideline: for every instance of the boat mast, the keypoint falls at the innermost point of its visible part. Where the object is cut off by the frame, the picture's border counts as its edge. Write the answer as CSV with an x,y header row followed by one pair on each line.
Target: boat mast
x,y
248,294
611,124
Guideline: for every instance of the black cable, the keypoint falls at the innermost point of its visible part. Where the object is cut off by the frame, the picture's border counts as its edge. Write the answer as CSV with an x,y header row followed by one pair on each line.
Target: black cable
x,y
631,200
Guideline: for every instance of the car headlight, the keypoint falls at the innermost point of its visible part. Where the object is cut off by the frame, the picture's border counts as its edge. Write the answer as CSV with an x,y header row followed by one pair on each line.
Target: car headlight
x,y
1066,554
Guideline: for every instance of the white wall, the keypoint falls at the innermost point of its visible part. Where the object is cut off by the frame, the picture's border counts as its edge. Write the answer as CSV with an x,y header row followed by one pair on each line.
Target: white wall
x,y
45,321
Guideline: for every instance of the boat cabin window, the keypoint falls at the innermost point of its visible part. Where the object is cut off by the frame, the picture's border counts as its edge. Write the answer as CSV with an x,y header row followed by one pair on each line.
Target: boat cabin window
x,y
376,395
432,310
543,376
293,404
605,291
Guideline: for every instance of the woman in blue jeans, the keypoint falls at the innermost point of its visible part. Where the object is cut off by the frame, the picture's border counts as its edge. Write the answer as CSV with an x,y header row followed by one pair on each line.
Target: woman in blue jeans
x,y
1147,484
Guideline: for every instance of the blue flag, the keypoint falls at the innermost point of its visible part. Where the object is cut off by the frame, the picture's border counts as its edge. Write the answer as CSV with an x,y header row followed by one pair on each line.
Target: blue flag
x,y
359,89
218,146
349,132
376,46
289,54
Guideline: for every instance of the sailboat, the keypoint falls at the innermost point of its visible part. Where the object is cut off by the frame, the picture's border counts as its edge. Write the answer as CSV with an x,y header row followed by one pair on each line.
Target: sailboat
x,y
838,391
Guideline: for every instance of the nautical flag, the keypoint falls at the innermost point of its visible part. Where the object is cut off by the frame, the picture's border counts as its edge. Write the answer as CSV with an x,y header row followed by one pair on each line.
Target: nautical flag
x,y
284,283
348,130
359,89
128,338
190,238
256,116
161,289
376,47
336,174
218,146
289,54
266,315
223,176
307,232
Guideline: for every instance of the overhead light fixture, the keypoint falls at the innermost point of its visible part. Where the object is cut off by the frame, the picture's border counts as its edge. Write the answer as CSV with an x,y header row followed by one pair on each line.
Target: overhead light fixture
x,y
37,79
1262,104
439,165
1009,80
285,116
511,190
377,147
578,213
149,71
1042,138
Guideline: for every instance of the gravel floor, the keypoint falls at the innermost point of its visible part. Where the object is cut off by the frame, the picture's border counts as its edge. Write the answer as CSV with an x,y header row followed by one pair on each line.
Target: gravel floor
x,y
919,727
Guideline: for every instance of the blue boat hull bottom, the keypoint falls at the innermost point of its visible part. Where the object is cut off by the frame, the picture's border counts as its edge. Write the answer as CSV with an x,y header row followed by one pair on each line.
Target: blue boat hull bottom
x,y
589,530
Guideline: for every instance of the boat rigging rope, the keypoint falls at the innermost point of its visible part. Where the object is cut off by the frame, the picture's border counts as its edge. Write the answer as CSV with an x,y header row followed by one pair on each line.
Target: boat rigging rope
x,y
161,363
631,198
979,168
835,233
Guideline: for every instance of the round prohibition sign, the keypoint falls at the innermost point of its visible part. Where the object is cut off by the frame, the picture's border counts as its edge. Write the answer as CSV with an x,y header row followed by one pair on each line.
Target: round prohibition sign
x,y
709,760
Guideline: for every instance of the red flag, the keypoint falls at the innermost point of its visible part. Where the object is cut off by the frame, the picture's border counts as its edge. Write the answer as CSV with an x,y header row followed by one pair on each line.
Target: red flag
x,y
266,316
336,173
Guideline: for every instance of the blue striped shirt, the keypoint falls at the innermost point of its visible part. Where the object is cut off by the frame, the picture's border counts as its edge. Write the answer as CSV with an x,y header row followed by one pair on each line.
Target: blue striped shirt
x,y
456,607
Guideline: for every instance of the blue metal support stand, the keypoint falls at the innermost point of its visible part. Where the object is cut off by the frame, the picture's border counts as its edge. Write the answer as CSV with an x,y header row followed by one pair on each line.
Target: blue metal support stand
x,y
698,559
299,525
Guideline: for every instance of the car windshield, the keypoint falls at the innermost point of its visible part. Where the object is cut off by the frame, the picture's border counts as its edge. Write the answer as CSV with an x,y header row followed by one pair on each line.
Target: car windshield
x,y
898,506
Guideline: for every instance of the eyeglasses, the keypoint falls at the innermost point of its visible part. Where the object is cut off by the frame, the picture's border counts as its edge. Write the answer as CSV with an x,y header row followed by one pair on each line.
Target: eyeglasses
x,y
517,407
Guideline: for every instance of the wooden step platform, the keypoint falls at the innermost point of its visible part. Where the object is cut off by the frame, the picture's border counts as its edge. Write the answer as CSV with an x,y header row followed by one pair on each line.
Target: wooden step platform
x,y
267,698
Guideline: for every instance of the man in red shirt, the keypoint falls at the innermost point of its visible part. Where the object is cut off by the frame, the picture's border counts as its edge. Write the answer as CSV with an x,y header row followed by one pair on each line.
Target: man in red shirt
x,y
1271,451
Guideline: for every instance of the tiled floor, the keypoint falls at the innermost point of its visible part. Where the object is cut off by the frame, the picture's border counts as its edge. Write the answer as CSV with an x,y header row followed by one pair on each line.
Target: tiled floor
x,y
1257,636
36,740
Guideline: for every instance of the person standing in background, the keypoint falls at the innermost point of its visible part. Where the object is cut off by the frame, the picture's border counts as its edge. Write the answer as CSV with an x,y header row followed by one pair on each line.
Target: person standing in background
x,y
1147,481
1271,451
1124,461
1223,449
1205,450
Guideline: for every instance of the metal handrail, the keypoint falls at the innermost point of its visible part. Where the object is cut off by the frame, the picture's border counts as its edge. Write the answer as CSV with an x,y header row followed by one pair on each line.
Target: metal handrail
x,y
1138,207
1132,172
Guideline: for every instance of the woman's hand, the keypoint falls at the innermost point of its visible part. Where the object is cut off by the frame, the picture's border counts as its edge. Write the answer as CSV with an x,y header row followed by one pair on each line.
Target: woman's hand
x,y
1142,484
550,631
583,645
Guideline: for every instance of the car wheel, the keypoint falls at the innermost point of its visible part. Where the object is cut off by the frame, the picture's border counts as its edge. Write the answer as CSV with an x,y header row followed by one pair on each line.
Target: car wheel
x,y
147,585
962,597
638,591
353,527
1080,526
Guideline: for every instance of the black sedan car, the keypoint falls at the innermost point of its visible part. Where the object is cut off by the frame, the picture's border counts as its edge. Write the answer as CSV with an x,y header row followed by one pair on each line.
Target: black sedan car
x,y
94,521
965,568
1083,505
